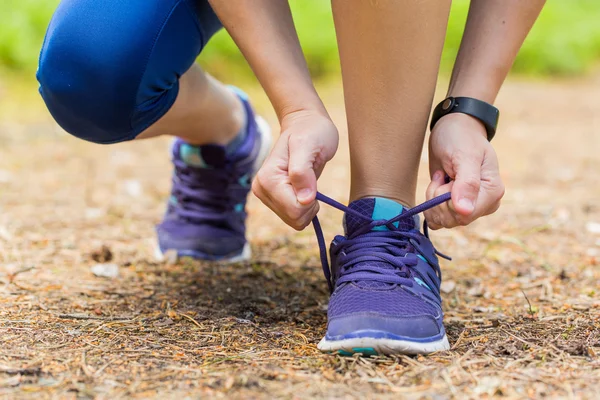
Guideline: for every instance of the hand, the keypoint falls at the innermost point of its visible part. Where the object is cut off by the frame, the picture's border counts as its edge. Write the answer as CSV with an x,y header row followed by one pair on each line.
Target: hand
x,y
287,181
458,147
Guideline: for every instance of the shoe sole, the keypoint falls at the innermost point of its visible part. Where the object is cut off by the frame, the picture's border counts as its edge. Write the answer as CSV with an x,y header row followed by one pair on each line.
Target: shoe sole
x,y
368,346
173,255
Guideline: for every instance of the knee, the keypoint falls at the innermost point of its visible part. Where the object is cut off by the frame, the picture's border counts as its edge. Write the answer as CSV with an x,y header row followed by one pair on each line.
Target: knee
x,y
108,73
88,90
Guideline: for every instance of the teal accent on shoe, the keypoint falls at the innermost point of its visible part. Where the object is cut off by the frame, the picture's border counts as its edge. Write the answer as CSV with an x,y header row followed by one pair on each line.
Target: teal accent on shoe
x,y
245,181
239,92
420,282
173,200
386,209
239,207
191,156
365,351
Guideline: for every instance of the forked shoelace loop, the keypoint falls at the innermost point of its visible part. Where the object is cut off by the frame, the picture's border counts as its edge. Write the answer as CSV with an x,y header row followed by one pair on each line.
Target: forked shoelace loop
x,y
368,227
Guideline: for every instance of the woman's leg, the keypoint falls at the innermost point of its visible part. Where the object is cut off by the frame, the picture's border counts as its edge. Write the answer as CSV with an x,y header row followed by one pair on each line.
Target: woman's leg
x,y
386,281
115,70
390,52
111,71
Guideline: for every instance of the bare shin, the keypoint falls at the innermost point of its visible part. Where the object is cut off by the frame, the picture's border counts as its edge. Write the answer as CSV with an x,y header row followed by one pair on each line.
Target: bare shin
x,y
390,53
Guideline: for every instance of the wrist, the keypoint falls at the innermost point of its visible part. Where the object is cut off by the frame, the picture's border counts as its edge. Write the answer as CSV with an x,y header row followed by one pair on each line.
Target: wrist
x,y
303,110
463,122
296,99
480,89
486,114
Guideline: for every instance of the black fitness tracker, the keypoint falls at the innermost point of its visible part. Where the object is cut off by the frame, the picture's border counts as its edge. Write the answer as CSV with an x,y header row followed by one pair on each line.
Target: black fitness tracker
x,y
485,112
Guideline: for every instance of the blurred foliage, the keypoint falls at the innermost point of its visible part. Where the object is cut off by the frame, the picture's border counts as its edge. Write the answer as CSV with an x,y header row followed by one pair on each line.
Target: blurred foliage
x,y
22,27
564,41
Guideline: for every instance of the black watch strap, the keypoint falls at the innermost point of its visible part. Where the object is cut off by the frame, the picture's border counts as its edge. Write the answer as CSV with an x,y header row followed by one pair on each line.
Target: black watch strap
x,y
485,112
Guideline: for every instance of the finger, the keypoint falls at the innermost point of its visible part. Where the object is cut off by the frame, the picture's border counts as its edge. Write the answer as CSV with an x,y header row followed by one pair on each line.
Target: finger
x,y
298,217
466,185
301,170
280,198
493,208
437,180
433,226
491,184
491,190
441,216
445,217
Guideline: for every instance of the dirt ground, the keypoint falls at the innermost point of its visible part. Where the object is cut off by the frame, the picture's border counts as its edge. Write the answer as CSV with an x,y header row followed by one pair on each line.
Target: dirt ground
x,y
521,294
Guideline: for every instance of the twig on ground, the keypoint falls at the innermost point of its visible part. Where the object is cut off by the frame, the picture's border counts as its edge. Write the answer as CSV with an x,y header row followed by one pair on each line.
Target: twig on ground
x,y
87,317
22,371
191,319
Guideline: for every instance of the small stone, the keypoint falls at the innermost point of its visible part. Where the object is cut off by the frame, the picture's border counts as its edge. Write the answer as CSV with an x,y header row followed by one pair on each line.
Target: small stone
x,y
6,176
5,234
484,310
448,286
593,227
106,270
94,213
476,291
133,188
592,252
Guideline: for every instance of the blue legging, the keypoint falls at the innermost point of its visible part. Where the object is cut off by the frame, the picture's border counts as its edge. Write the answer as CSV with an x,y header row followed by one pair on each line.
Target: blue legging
x,y
109,69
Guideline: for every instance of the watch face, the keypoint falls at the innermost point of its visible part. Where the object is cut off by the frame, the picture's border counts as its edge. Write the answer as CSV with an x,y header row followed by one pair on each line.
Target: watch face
x,y
447,103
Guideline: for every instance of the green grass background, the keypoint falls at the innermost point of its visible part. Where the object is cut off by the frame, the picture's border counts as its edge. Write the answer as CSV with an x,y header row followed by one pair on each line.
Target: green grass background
x,y
564,42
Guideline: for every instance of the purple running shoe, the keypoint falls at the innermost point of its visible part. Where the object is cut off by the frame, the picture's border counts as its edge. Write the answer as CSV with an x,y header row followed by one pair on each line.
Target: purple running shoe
x,y
206,213
385,281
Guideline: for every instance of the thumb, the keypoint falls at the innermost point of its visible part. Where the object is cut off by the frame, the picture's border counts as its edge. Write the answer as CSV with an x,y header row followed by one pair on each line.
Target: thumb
x,y
466,186
302,175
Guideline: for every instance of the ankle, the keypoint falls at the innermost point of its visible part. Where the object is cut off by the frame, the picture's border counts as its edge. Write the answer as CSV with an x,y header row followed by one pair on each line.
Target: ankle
x,y
237,121
221,128
406,199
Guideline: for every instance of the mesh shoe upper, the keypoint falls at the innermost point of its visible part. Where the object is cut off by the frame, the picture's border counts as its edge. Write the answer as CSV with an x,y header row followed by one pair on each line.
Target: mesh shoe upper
x,y
385,277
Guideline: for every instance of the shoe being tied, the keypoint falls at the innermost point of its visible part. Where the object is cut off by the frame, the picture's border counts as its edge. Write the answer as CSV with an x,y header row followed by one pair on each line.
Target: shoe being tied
x,y
385,281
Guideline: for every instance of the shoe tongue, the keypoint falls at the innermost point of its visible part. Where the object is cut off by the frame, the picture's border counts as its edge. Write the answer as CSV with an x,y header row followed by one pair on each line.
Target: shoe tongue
x,y
376,208
207,156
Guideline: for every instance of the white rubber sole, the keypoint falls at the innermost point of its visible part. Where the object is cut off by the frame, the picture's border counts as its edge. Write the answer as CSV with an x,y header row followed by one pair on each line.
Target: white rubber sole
x,y
172,256
372,346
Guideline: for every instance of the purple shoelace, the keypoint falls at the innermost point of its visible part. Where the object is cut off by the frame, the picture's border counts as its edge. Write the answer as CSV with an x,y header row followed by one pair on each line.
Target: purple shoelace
x,y
360,256
202,193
